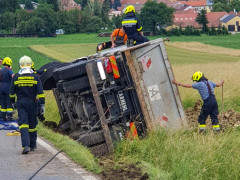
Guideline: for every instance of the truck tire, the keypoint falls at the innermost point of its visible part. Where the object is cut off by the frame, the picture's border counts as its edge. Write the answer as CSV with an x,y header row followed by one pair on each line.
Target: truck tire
x,y
71,71
92,138
74,85
49,65
47,77
99,150
60,87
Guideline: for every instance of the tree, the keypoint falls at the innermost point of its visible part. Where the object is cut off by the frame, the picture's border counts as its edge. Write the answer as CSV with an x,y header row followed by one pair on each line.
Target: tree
x,y
7,21
84,4
28,5
220,7
117,21
116,4
45,12
235,4
9,5
154,14
202,20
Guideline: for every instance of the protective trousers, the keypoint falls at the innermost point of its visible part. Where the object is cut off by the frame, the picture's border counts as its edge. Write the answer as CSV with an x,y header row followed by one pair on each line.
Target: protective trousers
x,y
138,38
27,113
210,107
6,106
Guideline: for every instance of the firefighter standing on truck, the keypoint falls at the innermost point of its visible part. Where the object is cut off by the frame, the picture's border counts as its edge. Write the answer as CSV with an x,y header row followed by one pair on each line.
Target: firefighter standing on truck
x,y
132,27
210,106
6,75
27,86
118,37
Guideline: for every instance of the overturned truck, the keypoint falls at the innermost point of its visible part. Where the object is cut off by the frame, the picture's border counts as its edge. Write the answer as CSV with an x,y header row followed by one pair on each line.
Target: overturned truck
x,y
115,94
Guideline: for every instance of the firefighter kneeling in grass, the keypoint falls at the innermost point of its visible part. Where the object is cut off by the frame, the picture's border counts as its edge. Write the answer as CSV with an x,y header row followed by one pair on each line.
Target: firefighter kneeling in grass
x,y
210,106
27,86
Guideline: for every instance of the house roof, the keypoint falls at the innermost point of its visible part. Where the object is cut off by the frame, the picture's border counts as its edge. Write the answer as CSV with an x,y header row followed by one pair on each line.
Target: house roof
x,y
214,18
194,3
69,5
187,18
228,18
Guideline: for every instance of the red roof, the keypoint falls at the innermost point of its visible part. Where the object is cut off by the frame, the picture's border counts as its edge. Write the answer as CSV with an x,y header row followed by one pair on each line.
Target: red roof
x,y
214,18
194,3
187,18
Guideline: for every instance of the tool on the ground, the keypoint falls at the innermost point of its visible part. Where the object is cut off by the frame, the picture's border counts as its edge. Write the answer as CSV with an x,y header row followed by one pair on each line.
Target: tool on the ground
x,y
62,150
14,133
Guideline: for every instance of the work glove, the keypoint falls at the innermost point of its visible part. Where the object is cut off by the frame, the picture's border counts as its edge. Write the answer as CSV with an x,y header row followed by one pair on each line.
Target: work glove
x,y
42,109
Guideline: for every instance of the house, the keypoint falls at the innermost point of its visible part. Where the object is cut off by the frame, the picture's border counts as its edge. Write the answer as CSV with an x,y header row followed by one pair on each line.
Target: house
x,y
66,5
113,12
35,5
231,22
138,4
187,18
198,5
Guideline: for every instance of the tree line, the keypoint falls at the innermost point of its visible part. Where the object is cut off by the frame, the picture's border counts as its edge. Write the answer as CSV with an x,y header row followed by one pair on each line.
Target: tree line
x,y
93,17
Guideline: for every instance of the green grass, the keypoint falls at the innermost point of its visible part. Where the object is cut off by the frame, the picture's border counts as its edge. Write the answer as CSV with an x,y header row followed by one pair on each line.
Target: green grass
x,y
185,154
230,41
73,149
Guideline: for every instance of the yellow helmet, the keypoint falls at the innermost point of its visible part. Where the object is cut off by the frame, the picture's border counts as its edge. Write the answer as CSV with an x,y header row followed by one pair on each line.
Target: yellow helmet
x,y
7,61
32,65
25,62
129,8
197,76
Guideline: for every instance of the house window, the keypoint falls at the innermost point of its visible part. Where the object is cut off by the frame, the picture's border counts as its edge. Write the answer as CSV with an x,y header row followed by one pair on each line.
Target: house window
x,y
176,19
185,18
181,18
190,18
237,23
231,27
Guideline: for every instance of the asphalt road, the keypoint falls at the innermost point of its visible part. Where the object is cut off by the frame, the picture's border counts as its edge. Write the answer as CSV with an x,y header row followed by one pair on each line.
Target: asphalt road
x,y
15,166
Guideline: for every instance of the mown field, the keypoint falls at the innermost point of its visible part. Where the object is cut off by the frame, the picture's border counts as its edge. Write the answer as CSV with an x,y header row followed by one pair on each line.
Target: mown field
x,y
164,154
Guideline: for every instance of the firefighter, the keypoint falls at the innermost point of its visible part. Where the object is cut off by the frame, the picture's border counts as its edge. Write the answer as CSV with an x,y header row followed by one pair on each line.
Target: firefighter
x,y
39,114
6,75
132,26
210,106
28,88
118,37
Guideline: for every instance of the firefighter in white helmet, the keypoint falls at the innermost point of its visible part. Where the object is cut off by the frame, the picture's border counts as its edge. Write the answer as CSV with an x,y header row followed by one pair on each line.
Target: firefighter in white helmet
x,y
27,86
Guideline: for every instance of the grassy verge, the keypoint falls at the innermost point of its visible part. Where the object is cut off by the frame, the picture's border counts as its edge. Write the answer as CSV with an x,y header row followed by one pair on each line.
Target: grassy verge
x,y
185,154
73,149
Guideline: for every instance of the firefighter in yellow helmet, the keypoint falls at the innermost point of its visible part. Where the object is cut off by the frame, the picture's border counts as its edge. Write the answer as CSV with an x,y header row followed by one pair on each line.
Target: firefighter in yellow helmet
x,y
27,86
6,75
132,26
210,106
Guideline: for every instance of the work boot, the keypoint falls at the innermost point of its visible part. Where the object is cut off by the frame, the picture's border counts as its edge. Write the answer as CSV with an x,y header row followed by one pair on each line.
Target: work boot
x,y
130,42
33,148
25,150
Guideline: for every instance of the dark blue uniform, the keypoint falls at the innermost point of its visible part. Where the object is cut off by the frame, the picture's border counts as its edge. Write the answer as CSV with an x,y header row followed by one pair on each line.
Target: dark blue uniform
x,y
5,81
28,89
133,28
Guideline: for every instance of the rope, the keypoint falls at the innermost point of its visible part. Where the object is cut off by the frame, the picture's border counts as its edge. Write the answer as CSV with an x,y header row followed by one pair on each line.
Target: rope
x,y
222,102
62,150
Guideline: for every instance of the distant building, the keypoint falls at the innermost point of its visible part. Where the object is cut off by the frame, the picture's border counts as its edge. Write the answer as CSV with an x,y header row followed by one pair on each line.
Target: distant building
x,y
188,18
231,22
66,5
35,5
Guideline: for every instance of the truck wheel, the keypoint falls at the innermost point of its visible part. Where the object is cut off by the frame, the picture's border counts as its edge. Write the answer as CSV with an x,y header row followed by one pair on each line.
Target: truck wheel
x,y
47,77
92,138
49,65
99,150
60,87
75,85
71,71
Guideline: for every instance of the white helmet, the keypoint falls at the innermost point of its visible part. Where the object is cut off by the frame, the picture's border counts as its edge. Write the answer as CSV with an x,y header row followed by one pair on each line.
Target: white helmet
x,y
25,62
